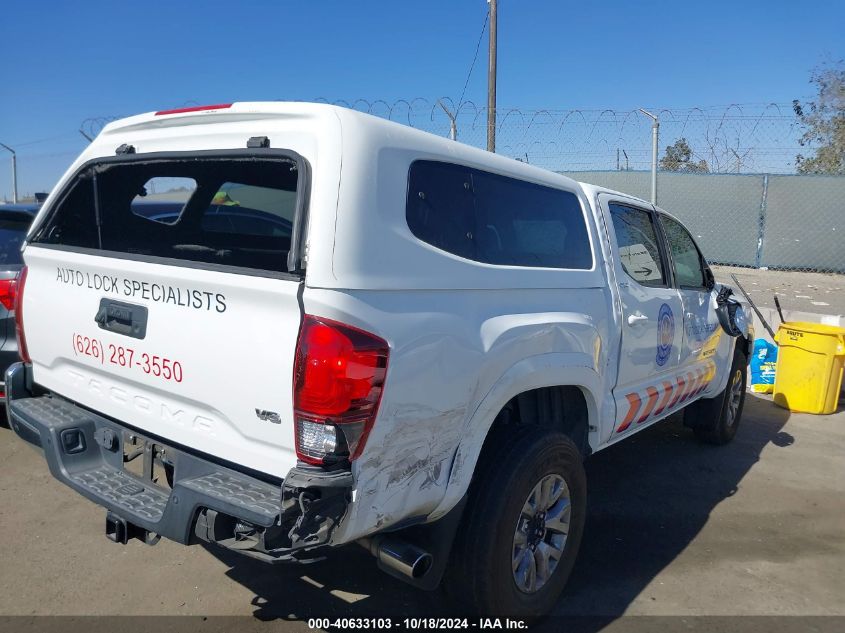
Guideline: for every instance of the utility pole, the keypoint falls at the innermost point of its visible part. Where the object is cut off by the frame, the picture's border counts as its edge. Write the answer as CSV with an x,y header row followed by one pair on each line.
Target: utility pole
x,y
491,81
14,173
655,133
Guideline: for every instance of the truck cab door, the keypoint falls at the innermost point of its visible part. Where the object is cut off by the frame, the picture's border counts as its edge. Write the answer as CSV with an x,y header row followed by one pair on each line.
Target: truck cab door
x,y
705,346
651,316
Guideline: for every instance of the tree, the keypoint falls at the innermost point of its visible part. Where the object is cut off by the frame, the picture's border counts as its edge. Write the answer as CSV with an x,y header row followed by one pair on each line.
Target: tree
x,y
824,122
678,157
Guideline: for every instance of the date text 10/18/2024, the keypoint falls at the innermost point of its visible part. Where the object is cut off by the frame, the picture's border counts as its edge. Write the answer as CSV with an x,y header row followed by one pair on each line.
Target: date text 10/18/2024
x,y
431,624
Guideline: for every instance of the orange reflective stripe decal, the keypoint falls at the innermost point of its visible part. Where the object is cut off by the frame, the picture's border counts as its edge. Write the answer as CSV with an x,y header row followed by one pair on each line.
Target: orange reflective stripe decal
x,y
682,381
693,386
634,403
667,393
705,379
652,400
691,378
702,383
709,371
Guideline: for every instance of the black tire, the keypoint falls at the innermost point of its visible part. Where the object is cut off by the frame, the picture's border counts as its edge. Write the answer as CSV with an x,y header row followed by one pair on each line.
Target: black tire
x,y
716,420
480,577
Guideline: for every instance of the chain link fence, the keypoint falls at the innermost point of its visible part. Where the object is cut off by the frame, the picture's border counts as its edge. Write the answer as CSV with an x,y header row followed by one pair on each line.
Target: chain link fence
x,y
784,222
730,175
750,138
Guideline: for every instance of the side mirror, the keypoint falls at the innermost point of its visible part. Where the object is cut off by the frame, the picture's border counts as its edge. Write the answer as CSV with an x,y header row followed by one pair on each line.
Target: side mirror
x,y
730,313
709,278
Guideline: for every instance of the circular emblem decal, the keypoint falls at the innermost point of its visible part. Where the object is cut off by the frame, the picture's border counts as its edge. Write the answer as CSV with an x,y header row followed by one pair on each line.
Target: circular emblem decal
x,y
665,334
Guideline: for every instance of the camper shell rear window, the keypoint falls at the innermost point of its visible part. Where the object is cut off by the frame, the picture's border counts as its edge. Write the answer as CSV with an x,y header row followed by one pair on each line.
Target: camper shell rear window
x,y
228,210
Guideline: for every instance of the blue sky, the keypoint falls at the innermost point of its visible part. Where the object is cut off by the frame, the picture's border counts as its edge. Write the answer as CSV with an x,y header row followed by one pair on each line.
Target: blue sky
x,y
64,62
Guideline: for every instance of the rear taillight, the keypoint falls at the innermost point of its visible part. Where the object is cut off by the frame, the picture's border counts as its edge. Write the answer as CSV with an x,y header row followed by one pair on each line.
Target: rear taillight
x,y
8,288
22,350
337,384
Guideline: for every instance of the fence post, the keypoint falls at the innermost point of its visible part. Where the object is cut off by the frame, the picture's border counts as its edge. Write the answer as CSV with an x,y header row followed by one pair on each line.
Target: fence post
x,y
762,222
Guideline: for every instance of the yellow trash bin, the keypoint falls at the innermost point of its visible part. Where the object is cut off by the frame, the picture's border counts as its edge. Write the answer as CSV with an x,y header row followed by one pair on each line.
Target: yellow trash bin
x,y
809,369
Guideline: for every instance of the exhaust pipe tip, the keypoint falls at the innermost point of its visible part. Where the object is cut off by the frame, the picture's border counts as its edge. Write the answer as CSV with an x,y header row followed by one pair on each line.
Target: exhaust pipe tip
x,y
423,566
414,566
400,556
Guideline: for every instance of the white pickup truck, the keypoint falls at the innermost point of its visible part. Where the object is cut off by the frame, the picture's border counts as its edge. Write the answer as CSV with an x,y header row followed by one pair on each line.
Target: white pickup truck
x,y
288,327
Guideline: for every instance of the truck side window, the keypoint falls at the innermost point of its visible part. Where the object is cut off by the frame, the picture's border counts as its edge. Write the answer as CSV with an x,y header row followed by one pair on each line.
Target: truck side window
x,y
685,255
524,224
638,247
495,219
440,209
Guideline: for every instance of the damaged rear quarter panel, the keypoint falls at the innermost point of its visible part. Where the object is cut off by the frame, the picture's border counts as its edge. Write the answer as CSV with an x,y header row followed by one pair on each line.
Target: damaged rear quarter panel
x,y
448,350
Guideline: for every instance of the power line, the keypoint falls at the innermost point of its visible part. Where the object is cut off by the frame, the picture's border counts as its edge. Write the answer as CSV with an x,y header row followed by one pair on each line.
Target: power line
x,y
45,140
477,47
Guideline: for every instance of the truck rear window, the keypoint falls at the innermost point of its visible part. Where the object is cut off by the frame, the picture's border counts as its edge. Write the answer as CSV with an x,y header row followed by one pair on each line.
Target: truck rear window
x,y
227,211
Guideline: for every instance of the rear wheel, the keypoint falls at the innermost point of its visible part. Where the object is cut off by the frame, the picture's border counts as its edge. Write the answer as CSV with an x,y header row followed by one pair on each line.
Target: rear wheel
x,y
716,420
522,528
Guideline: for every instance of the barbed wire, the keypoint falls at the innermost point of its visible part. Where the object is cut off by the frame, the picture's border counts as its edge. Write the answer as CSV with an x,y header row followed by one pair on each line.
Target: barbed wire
x,y
735,138
749,221
92,126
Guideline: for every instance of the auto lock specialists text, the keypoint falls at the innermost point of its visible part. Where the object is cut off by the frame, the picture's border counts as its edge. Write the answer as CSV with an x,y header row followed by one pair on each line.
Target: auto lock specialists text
x,y
149,291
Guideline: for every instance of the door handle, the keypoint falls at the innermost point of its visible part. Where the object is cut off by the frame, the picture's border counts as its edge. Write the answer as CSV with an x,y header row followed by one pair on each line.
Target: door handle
x,y
634,319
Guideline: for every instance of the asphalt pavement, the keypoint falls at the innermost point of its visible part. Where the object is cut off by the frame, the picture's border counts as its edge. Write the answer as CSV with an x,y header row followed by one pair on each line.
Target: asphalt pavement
x,y
674,528
818,293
